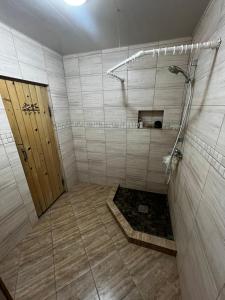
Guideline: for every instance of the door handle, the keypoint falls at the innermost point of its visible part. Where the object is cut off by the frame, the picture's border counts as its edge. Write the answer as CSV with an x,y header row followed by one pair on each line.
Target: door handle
x,y
24,154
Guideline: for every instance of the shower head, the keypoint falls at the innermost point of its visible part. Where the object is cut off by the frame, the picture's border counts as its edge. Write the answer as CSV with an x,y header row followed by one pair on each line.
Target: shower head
x,y
176,70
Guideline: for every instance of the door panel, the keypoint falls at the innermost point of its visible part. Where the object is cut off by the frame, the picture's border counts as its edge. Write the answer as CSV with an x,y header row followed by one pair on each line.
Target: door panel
x,y
28,114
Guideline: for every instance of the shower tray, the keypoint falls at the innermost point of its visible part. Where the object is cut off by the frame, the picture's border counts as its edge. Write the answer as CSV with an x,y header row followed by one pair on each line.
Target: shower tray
x,y
144,218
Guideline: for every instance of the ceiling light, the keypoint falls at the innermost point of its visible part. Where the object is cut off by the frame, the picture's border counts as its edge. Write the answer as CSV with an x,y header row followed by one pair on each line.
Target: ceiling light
x,y
75,2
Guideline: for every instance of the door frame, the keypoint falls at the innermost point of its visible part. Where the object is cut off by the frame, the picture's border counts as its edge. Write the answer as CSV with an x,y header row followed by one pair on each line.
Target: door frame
x,y
52,116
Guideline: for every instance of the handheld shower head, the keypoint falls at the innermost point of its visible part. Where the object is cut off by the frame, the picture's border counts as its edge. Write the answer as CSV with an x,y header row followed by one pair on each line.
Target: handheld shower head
x,y
176,70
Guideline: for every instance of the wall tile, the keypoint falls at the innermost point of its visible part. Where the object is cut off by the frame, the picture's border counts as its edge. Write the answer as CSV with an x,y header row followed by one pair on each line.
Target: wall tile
x,y
71,66
115,135
138,149
94,115
140,97
201,283
79,132
169,96
94,146
115,115
32,73
73,84
28,51
91,83
10,67
220,146
110,83
81,156
95,134
156,156
165,137
8,49
75,99
116,148
145,62
165,79
92,99
57,84
112,58
137,162
90,64
141,78
76,115
138,136
117,98
53,62
206,122
116,161
210,221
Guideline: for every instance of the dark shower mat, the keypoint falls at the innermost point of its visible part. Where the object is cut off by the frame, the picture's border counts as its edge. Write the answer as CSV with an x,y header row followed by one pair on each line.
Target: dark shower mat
x,y
146,212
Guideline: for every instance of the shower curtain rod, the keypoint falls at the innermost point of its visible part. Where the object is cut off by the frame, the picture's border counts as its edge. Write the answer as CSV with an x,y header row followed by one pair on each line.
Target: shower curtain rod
x,y
180,49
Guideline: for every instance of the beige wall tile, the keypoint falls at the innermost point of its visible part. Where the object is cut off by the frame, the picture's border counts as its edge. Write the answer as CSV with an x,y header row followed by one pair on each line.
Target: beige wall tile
x,y
140,97
71,65
91,83
169,96
92,99
116,98
210,221
196,278
90,64
206,121
141,78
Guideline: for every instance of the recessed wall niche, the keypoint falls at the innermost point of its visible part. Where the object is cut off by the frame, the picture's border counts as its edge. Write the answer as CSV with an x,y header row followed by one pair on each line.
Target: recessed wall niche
x,y
150,119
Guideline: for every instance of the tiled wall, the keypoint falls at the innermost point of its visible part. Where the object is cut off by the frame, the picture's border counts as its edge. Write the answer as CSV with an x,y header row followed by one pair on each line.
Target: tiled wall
x,y
104,114
21,57
197,192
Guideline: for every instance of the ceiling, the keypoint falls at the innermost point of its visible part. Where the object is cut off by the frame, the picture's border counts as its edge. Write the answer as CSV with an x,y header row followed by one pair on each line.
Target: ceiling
x,y
101,24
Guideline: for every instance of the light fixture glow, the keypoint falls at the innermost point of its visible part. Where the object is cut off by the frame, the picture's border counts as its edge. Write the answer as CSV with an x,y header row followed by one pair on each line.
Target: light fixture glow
x,y
75,2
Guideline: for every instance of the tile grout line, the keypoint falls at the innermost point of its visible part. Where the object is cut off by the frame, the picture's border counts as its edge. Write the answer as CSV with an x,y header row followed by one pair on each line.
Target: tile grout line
x,y
86,253
81,95
53,255
103,108
125,266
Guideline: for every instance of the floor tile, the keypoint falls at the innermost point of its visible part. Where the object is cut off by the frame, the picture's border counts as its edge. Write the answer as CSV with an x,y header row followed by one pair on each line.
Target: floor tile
x,y
83,288
77,251
70,264
113,280
36,280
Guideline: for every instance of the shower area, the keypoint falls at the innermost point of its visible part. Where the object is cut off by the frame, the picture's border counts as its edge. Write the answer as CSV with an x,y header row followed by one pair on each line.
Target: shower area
x,y
123,140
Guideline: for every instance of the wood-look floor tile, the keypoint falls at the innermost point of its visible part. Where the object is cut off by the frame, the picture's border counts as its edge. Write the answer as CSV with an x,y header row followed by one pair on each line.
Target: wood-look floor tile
x,y
113,280
78,238
81,289
9,268
36,281
105,215
65,233
61,215
155,276
98,246
83,209
70,264
89,223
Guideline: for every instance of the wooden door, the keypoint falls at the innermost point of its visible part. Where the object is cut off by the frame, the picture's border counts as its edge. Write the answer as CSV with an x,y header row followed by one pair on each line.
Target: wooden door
x,y
29,116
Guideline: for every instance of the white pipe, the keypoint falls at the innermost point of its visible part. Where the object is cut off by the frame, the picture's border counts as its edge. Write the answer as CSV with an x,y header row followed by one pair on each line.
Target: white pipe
x,y
207,45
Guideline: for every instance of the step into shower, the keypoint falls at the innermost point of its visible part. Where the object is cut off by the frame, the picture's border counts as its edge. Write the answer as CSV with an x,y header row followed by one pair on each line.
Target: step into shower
x,y
144,218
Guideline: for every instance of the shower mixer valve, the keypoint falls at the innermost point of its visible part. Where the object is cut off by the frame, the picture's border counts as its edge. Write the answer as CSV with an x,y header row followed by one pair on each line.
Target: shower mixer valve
x,y
178,153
